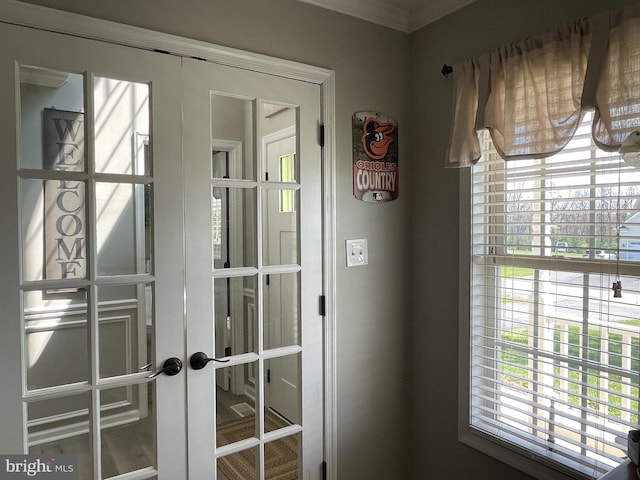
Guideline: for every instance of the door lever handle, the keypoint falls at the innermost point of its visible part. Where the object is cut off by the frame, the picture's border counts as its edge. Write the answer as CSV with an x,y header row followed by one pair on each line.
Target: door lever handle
x,y
172,366
145,367
199,360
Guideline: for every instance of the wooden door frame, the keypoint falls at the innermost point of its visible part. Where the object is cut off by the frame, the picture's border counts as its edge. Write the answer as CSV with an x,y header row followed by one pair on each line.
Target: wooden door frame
x,y
44,18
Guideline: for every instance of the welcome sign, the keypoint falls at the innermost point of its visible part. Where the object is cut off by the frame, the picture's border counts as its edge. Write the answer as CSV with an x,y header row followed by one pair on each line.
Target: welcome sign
x,y
375,157
64,200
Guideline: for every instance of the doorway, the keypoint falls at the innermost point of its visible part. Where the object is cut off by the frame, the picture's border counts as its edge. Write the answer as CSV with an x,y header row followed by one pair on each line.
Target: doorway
x,y
92,335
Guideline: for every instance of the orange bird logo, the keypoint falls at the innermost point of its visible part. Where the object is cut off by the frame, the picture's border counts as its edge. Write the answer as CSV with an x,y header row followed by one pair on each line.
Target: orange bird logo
x,y
376,137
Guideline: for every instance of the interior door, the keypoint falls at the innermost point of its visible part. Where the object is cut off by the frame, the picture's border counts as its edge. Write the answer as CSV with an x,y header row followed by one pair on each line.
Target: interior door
x,y
92,279
138,220
261,211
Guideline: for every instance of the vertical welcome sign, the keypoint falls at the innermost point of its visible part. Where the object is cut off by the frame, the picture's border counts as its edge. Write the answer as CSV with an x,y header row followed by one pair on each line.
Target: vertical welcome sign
x,y
375,157
64,200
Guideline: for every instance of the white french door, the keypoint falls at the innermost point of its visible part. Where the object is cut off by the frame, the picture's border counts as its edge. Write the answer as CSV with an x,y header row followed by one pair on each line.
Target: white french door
x,y
136,234
253,234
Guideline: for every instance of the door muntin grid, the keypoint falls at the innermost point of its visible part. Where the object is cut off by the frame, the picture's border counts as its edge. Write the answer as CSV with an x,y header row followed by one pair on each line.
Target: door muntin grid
x,y
257,326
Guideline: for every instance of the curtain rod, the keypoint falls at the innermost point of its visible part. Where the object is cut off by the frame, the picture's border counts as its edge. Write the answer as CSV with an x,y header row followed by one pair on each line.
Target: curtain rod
x,y
447,70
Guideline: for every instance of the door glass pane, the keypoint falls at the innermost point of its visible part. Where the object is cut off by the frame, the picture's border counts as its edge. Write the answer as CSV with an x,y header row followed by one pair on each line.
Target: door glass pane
x,y
127,416
232,123
244,462
235,409
121,122
287,197
55,325
59,426
281,458
279,142
235,315
52,119
281,310
123,228
280,228
54,229
284,392
233,216
125,315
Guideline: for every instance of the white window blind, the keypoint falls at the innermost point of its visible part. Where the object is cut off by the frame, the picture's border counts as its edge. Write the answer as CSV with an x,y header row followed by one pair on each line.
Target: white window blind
x,y
555,358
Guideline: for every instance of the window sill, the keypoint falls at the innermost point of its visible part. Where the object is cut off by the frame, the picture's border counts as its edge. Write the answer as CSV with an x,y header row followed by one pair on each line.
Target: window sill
x,y
530,465
624,471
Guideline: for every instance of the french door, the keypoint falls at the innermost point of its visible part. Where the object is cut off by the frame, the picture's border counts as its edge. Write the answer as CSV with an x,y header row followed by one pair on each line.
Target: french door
x,y
161,263
252,218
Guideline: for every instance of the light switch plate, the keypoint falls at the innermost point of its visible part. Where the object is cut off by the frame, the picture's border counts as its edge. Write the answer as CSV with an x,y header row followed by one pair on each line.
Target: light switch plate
x,y
357,252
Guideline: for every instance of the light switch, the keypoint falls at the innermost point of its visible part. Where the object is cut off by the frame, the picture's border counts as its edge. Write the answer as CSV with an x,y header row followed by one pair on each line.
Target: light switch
x,y
357,252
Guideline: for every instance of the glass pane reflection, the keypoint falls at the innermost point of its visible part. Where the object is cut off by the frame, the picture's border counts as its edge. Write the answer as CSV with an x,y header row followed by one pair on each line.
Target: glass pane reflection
x,y
235,410
282,459
58,426
123,228
128,446
281,313
244,461
280,227
56,337
278,130
121,120
232,123
54,229
233,219
125,328
284,392
51,119
235,315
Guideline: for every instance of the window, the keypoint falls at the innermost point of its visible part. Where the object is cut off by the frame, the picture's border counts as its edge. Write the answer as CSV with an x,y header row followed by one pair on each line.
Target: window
x,y
554,358
287,163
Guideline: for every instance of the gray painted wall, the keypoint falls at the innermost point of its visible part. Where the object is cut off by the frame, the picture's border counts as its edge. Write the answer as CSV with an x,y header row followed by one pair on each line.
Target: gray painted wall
x,y
391,358
433,234
371,65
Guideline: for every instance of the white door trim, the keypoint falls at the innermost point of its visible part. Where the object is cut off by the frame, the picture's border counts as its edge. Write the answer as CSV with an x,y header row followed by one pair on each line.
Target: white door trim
x,y
44,18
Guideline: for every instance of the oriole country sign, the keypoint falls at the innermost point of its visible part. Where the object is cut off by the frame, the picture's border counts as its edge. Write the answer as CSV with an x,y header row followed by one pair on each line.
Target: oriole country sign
x,y
375,157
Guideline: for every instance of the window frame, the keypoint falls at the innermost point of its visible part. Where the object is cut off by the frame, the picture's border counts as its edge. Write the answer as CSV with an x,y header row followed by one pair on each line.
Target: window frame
x,y
517,457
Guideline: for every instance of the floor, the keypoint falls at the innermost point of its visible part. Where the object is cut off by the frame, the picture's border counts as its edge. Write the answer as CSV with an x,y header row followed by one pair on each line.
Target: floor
x,y
130,446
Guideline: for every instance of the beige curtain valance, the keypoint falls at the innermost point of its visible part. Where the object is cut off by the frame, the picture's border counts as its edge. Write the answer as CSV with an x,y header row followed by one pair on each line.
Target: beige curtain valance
x,y
531,94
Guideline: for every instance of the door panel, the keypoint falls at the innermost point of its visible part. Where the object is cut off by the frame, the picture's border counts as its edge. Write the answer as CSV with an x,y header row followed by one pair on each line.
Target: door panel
x,y
269,227
86,305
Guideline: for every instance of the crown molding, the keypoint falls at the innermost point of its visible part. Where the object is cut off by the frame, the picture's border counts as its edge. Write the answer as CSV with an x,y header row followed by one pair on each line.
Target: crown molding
x,y
368,10
433,11
42,77
406,20
44,18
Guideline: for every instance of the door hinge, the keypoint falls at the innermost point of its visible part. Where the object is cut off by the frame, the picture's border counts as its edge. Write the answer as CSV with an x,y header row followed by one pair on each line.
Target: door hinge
x,y
324,470
268,279
321,135
268,375
322,305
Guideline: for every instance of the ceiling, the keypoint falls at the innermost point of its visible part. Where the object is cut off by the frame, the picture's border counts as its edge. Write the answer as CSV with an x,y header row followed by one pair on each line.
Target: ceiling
x,y
404,15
